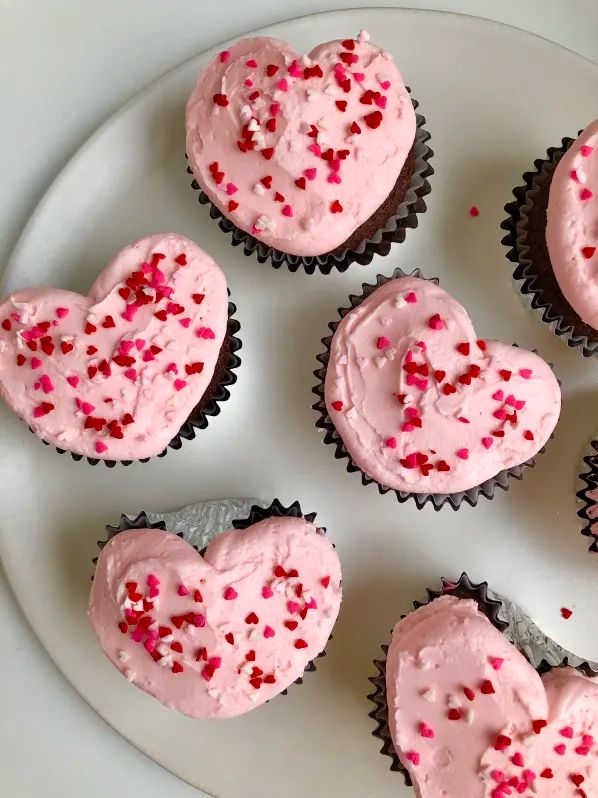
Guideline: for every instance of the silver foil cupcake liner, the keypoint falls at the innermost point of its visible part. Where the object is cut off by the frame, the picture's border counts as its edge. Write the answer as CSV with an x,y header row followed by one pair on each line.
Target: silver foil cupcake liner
x,y
393,231
217,392
324,422
521,253
589,509
540,651
199,523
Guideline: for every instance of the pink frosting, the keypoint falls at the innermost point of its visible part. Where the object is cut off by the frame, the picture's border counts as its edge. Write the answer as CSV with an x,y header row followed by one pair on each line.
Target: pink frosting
x,y
462,706
299,150
572,225
216,636
115,374
421,404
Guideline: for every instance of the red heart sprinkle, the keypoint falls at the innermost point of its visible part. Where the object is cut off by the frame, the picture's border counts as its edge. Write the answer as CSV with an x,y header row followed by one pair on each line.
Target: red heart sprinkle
x,y
538,725
502,742
487,688
271,70
229,637
267,153
337,406
300,643
291,625
341,105
336,207
354,128
566,613
108,322
463,348
469,693
505,374
266,181
454,714
587,252
439,375
300,183
251,618
547,774
373,120
220,99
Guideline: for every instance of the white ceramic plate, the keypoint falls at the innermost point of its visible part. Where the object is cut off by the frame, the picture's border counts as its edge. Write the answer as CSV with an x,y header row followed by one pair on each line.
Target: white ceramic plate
x,y
494,98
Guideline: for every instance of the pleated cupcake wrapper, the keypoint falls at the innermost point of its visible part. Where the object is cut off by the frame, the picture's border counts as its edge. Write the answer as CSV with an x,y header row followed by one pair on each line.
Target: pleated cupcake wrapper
x,y
540,651
438,500
520,253
200,415
199,523
590,479
393,231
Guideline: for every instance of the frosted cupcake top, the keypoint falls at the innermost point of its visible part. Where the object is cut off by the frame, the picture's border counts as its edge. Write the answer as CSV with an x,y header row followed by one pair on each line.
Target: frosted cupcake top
x,y
572,225
425,406
114,375
298,150
216,636
469,716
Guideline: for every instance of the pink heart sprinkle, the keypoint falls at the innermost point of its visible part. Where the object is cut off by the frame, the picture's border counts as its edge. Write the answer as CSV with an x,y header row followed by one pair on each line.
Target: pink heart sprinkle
x,y
567,731
391,442
310,174
182,590
62,312
586,194
560,749
463,453
359,76
316,149
334,177
230,594
149,645
422,384
517,759
100,448
35,362
525,373
36,386
224,56
125,346
381,102
582,750
294,70
252,63
496,662
412,412
586,150
574,176
46,383
463,420
407,427
185,322
73,380
148,355
86,408
274,109
413,756
410,297
131,374
172,367
422,345
283,85
498,395
500,414
385,84
215,662
231,189
269,631
248,82
199,621
287,211
152,580
292,607
179,384
383,342
587,739
267,593
426,731
487,442
153,592
140,343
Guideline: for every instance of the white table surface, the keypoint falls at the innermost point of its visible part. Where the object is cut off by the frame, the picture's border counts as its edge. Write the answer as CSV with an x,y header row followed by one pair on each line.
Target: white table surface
x,y
65,66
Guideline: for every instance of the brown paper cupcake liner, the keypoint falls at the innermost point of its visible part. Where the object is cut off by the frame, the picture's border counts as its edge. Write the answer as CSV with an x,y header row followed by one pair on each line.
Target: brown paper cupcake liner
x,y
527,248
394,230
464,588
257,513
589,510
209,405
438,500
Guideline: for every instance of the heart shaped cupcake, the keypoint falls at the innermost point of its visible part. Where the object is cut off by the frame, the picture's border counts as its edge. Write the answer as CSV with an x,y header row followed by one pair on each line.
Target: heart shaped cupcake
x,y
300,151
214,636
469,716
115,374
423,405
